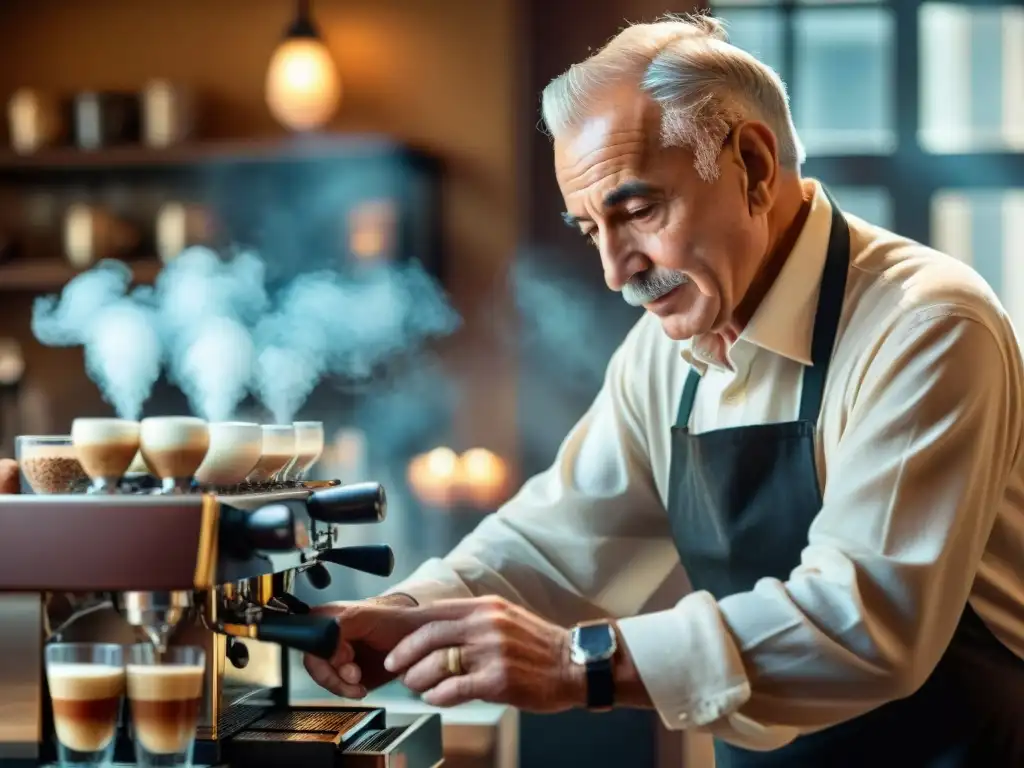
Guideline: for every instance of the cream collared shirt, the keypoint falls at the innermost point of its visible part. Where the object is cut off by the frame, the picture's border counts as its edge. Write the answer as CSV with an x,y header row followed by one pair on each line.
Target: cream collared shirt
x,y
919,452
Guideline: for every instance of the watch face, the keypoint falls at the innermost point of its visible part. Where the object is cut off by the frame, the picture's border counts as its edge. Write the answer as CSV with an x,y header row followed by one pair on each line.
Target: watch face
x,y
594,642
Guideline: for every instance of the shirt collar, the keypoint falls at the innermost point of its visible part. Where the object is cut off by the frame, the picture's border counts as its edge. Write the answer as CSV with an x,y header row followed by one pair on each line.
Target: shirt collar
x,y
784,321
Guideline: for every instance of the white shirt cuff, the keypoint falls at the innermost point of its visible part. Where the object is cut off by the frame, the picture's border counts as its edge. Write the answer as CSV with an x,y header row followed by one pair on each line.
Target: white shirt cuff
x,y
431,582
688,662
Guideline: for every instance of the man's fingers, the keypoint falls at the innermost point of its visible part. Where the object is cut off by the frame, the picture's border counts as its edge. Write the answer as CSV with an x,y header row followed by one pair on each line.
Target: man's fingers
x,y
8,476
343,654
327,677
417,645
428,672
454,690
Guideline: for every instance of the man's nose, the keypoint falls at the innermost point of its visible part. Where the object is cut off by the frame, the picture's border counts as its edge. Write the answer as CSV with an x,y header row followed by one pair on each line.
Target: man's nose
x,y
620,260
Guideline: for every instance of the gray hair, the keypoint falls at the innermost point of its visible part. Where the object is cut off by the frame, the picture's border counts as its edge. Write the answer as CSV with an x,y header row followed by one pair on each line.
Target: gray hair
x,y
703,84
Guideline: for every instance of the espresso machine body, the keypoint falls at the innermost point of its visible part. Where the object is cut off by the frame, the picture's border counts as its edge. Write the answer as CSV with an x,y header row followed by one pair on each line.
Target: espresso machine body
x,y
202,569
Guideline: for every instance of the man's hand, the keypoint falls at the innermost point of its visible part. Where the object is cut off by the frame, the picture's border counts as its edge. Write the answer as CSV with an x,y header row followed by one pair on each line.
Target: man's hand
x,y
8,476
369,630
507,655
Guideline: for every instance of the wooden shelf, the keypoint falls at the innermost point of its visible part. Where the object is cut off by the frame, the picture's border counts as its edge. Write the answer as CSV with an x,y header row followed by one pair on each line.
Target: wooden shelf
x,y
298,148
43,275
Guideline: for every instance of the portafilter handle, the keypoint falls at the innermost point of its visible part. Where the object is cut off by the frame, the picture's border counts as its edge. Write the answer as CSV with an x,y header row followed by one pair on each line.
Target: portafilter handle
x,y
353,504
376,559
315,635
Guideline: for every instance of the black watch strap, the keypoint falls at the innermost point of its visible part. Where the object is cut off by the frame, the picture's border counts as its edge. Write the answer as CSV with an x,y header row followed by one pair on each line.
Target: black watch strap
x,y
600,684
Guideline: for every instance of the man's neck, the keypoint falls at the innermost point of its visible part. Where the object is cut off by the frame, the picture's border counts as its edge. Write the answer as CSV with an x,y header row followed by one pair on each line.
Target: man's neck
x,y
785,222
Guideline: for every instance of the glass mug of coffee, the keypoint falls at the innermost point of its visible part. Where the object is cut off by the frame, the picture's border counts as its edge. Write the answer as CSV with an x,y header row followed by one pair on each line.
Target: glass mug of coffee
x,y
165,692
87,683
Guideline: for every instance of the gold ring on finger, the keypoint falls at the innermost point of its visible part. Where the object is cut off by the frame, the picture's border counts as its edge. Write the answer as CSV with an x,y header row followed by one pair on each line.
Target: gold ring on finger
x,y
455,661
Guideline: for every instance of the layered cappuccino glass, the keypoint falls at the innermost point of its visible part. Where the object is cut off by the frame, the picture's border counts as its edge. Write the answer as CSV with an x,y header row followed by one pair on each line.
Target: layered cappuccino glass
x,y
309,447
173,447
48,464
278,449
235,448
165,692
105,448
87,684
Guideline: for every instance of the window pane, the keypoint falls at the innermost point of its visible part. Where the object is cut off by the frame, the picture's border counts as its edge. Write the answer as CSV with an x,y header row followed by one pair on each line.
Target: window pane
x,y
972,78
758,32
843,84
873,204
986,229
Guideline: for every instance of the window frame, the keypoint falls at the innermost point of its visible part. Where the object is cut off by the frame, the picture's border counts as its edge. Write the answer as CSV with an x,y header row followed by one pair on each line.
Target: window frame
x,y
911,175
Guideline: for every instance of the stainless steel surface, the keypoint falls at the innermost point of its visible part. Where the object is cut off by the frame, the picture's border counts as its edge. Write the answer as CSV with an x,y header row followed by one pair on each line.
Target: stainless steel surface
x,y
21,663
406,742
156,613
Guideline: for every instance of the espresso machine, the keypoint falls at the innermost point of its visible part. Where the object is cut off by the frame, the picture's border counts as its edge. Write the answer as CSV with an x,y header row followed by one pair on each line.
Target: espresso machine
x,y
200,568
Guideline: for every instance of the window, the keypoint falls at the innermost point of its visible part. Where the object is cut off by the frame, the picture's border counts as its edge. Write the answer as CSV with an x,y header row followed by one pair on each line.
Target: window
x,y
912,113
985,228
972,78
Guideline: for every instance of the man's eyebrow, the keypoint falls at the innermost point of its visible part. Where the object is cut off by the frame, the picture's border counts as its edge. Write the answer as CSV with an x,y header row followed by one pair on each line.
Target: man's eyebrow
x,y
628,191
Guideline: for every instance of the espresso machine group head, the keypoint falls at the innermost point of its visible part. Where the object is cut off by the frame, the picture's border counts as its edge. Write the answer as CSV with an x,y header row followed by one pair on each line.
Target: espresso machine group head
x,y
208,569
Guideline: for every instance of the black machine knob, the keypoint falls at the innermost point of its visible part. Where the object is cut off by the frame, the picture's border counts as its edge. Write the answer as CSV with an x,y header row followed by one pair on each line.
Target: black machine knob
x,y
348,504
318,575
268,529
238,654
377,559
315,635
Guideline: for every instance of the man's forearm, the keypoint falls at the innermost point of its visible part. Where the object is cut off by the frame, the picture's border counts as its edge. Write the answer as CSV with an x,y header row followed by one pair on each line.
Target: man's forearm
x,y
395,598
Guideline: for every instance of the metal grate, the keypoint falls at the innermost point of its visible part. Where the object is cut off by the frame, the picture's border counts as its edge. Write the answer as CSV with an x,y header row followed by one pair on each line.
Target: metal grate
x,y
282,736
377,741
310,722
237,718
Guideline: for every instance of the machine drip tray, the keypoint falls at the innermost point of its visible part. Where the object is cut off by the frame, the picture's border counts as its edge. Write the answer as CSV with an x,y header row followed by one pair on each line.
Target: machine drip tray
x,y
315,738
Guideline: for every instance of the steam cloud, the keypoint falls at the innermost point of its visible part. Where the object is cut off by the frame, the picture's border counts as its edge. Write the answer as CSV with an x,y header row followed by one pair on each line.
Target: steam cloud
x,y
220,333
118,330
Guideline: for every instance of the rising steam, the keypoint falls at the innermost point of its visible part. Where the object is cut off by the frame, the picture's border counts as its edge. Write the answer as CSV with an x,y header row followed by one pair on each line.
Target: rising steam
x,y
206,304
221,335
324,323
118,331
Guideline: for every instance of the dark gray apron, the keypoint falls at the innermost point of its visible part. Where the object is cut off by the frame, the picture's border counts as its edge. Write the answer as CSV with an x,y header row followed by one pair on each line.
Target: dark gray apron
x,y
741,501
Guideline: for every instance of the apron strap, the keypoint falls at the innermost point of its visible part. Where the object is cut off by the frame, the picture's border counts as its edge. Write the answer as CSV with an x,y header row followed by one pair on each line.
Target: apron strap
x,y
826,323
826,319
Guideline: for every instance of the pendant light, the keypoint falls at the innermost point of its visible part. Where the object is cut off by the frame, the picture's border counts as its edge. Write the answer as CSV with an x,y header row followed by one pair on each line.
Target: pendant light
x,y
303,88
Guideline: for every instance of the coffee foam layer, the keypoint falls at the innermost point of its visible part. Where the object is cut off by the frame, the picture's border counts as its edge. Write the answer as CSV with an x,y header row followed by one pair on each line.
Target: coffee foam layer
x,y
309,442
167,433
103,431
81,682
164,682
278,440
235,447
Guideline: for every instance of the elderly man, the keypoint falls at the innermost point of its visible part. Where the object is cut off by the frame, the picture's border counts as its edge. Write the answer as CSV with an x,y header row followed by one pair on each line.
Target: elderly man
x,y
820,420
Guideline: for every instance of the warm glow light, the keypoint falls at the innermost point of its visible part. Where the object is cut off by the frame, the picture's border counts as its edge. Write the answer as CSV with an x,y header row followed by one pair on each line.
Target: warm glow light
x,y
434,478
478,478
484,477
303,87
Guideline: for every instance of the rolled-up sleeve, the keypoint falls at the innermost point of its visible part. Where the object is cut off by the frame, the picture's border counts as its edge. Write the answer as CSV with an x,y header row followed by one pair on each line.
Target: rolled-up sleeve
x,y
913,488
587,538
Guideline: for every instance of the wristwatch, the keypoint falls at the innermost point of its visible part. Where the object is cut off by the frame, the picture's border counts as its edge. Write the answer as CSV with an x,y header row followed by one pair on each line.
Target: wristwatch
x,y
593,646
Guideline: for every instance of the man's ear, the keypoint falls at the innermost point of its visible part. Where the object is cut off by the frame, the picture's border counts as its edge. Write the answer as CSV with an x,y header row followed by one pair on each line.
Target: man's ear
x,y
8,476
756,151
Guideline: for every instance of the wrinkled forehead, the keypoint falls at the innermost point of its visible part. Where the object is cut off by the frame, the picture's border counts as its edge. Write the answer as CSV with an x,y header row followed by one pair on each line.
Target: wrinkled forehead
x,y
618,134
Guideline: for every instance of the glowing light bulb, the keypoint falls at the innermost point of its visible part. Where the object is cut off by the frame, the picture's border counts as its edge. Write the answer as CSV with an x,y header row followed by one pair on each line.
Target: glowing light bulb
x,y
303,88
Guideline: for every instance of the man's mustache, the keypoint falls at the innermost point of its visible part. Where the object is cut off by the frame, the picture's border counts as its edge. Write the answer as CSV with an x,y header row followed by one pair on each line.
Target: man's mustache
x,y
651,285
